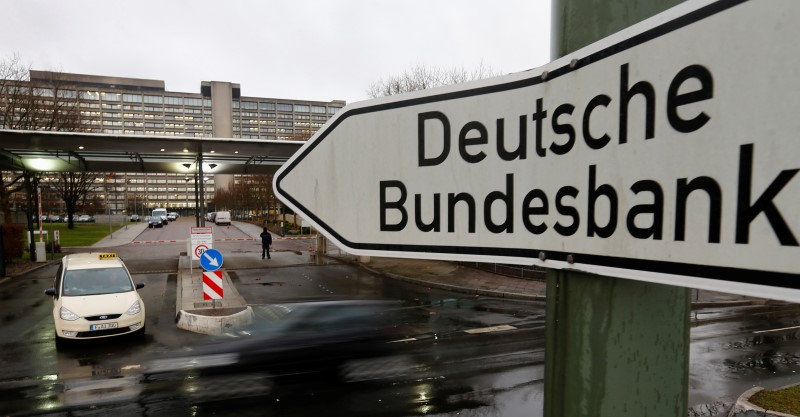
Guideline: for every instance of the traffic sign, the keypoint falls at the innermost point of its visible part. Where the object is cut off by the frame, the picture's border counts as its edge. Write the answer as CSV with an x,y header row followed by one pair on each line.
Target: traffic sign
x,y
666,152
212,285
211,260
201,240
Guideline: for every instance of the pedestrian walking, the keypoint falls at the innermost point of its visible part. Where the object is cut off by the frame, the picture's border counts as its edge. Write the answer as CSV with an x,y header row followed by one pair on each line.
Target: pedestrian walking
x,y
266,241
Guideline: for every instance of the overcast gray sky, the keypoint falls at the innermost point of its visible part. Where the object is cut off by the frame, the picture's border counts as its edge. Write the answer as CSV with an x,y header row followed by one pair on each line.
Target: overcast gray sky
x,y
302,49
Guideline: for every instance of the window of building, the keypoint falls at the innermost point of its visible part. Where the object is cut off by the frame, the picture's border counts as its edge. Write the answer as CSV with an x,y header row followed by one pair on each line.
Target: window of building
x,y
193,102
268,115
317,109
235,104
303,108
67,94
206,102
285,107
266,106
132,98
285,116
107,106
302,117
154,100
175,101
319,117
43,92
90,95
288,124
110,96
333,110
250,105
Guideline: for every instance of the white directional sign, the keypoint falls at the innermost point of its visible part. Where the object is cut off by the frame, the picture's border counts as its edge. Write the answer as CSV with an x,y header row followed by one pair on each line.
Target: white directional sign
x,y
667,152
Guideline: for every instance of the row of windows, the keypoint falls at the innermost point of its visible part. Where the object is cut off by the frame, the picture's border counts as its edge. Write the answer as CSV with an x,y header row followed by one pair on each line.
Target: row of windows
x,y
287,116
297,108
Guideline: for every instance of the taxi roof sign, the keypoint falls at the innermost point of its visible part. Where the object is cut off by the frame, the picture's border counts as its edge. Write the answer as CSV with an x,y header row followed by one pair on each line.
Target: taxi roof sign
x,y
106,256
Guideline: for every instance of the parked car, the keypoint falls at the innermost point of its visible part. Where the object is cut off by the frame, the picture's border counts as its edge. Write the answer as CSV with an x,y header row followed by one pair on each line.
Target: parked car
x,y
210,217
223,217
172,217
134,217
53,218
94,296
85,218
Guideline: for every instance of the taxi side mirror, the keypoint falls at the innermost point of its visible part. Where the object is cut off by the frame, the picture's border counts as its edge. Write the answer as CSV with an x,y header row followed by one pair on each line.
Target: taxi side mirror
x,y
140,285
50,291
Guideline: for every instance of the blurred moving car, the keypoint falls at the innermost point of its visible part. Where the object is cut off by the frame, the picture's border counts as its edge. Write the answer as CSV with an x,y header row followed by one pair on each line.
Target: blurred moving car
x,y
296,339
134,217
94,296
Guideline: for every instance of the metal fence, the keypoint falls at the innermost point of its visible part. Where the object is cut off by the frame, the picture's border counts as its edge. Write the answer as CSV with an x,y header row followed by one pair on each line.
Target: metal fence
x,y
516,271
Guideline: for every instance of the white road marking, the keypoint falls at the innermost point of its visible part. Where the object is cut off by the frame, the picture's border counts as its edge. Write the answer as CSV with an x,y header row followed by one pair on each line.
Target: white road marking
x,y
776,330
490,329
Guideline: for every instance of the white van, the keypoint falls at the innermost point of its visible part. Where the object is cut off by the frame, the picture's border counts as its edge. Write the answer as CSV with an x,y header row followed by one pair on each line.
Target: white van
x,y
160,213
223,217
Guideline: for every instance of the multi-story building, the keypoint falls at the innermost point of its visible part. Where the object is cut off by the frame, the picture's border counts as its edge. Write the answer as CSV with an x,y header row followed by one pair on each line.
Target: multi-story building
x,y
130,106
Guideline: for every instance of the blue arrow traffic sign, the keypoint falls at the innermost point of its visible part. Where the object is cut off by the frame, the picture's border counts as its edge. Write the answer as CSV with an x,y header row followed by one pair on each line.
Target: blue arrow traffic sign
x,y
211,260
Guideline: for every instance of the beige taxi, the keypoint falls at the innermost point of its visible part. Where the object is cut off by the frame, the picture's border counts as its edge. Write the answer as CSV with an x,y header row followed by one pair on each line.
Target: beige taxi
x,y
94,296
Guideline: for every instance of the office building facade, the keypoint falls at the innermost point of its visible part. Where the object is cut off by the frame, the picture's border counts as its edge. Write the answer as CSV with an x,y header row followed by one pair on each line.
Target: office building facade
x,y
130,106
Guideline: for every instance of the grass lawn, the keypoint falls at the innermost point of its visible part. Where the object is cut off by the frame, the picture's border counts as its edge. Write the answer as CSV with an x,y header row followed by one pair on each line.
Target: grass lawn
x,y
786,400
84,234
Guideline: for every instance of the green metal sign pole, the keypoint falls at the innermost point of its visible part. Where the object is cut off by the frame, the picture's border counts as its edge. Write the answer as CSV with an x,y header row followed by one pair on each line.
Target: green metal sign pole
x,y
615,347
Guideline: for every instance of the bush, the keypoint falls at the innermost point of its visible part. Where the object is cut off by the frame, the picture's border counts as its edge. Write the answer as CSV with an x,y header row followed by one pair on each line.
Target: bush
x,y
49,247
13,242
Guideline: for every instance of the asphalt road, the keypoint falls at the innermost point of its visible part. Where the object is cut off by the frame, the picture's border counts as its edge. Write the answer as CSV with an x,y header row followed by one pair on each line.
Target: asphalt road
x,y
445,370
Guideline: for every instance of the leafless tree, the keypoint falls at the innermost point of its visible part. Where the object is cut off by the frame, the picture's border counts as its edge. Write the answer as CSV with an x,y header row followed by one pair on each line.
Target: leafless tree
x,y
72,187
252,192
44,104
420,77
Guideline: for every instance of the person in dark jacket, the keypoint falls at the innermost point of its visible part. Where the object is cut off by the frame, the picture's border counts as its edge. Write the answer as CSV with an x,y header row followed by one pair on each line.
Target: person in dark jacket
x,y
266,241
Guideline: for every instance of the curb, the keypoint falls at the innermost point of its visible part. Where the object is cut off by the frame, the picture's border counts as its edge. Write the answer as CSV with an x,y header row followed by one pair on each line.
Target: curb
x,y
454,288
744,408
214,325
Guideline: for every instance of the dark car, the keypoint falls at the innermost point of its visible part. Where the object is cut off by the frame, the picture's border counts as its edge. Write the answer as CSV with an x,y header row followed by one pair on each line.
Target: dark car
x,y
155,221
315,338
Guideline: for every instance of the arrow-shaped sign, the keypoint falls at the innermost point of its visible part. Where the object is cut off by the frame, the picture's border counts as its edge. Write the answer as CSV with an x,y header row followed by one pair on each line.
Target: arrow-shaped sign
x,y
666,152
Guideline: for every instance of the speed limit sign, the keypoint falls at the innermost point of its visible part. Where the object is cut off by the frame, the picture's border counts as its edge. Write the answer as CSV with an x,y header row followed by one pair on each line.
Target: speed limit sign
x,y
198,251
201,239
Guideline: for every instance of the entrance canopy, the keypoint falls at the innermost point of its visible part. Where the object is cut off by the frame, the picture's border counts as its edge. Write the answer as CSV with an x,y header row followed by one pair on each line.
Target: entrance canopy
x,y
46,151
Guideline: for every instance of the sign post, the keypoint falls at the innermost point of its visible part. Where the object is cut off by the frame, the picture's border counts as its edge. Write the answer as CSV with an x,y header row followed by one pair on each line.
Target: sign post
x,y
211,262
201,239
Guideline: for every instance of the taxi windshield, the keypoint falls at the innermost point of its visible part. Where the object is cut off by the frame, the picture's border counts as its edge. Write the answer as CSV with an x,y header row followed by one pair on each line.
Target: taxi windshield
x,y
96,281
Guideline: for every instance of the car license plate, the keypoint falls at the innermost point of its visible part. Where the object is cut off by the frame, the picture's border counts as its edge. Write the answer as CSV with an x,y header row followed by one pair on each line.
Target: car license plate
x,y
103,326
